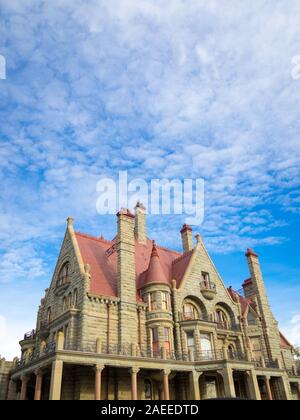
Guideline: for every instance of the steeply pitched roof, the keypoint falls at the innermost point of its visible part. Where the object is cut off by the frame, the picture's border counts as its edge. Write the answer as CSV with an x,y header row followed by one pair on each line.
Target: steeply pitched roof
x,y
102,258
154,272
244,302
284,343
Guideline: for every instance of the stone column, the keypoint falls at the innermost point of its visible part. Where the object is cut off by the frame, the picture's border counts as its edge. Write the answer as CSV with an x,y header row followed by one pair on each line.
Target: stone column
x,y
98,381
285,388
23,394
38,385
166,374
268,388
194,384
227,374
134,372
253,385
56,378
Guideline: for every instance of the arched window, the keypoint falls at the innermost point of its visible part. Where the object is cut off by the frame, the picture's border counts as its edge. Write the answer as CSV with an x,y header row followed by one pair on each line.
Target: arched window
x,y
251,320
69,300
190,311
64,274
231,352
148,390
64,304
75,298
222,319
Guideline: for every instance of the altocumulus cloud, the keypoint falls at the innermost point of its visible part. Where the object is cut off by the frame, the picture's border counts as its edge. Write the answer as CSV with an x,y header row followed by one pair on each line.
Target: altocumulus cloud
x,y
184,88
189,88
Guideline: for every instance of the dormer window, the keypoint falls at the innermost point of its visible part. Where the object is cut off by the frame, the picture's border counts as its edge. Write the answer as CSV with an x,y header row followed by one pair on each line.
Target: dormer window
x,y
63,277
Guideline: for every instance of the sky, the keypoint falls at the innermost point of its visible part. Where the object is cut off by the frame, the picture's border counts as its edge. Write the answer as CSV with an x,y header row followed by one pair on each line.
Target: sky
x,y
168,88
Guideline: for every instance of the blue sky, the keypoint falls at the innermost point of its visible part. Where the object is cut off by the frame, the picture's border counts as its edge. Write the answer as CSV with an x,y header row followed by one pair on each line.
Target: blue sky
x,y
197,89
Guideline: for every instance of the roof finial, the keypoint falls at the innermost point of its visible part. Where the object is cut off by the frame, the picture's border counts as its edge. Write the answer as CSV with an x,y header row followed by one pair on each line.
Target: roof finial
x,y
154,250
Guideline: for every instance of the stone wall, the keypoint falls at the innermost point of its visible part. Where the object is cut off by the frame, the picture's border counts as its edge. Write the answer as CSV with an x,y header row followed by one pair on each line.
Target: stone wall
x,y
5,368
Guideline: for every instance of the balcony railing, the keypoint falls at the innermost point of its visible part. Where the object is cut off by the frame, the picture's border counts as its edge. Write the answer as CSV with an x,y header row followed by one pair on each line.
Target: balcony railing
x,y
208,285
37,354
220,325
293,372
270,364
228,326
30,335
238,356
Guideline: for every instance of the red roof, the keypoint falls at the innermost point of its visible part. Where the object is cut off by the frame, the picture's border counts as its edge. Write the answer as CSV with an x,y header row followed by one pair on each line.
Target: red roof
x,y
155,272
244,302
102,258
284,343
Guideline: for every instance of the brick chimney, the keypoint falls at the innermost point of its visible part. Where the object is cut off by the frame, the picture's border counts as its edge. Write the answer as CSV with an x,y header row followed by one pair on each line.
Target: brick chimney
x,y
126,276
140,228
187,238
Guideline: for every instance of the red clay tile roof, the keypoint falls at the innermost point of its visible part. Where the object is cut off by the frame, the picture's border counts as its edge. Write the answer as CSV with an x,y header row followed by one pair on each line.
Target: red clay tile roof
x,y
154,272
243,301
284,343
179,267
104,264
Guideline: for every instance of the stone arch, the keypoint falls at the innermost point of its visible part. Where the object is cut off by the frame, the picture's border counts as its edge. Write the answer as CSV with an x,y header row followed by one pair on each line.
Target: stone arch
x,y
203,313
60,264
227,310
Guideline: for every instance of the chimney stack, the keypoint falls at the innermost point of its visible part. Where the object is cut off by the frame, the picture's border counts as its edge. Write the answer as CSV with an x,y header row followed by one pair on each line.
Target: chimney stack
x,y
140,228
126,276
187,238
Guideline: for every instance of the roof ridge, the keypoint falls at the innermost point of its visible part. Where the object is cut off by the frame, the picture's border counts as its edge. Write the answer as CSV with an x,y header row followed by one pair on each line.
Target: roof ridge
x,y
182,256
167,249
87,236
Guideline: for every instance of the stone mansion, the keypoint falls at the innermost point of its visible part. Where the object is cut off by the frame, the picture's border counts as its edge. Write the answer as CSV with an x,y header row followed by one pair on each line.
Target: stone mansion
x,y
129,319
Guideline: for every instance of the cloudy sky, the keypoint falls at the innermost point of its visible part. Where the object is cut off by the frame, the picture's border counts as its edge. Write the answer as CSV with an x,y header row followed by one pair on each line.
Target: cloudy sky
x,y
168,88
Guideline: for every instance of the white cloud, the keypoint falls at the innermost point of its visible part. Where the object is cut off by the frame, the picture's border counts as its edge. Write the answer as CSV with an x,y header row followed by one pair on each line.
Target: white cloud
x,y
292,330
11,332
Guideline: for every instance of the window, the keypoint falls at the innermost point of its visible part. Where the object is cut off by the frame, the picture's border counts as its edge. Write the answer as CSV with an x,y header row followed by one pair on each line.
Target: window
x,y
206,347
251,320
231,352
155,344
63,276
221,319
64,304
75,298
205,279
190,338
153,302
190,311
167,339
165,301
148,390
48,315
70,300
256,348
